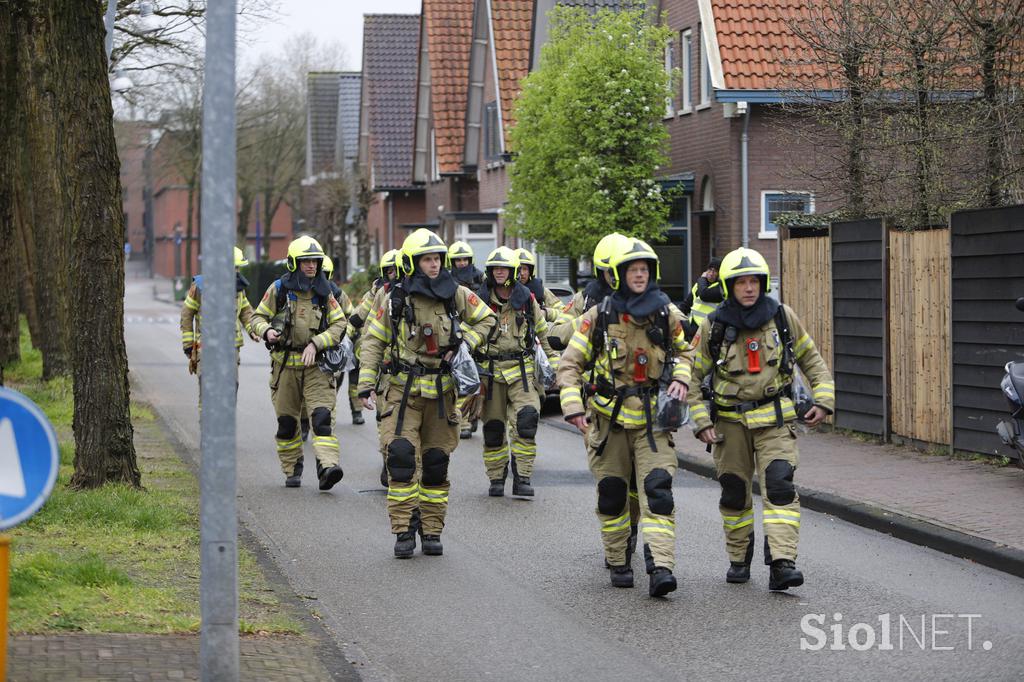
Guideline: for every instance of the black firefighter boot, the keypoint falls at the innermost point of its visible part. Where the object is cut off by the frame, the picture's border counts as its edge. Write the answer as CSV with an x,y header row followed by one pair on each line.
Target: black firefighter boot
x,y
739,571
662,582
405,544
520,484
295,480
357,417
328,476
622,576
784,574
497,488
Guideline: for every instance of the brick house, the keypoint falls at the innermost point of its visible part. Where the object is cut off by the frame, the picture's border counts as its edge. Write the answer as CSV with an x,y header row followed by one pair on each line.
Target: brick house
x,y
725,110
387,121
132,143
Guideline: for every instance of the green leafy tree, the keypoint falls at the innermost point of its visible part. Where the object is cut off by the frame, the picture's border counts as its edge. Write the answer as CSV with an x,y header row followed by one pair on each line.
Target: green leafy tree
x,y
588,135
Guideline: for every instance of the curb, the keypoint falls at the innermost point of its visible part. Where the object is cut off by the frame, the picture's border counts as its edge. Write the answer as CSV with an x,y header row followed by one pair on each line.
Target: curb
x,y
956,543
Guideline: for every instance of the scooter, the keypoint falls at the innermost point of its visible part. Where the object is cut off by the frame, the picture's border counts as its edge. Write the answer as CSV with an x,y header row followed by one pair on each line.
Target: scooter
x,y
1012,430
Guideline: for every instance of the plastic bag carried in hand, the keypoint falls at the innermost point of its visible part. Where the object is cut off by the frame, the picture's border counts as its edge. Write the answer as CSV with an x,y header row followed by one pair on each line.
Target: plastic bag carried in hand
x,y
465,372
671,413
338,359
348,351
543,369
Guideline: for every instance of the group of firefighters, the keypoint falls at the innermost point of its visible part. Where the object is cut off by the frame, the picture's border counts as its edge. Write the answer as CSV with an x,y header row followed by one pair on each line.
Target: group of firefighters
x,y
627,362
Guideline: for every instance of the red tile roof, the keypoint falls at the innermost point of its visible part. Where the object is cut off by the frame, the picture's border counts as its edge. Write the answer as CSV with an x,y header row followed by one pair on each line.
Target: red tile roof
x,y
449,28
512,23
757,44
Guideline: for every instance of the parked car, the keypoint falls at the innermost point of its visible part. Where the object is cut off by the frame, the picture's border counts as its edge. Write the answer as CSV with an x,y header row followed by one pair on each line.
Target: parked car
x,y
563,291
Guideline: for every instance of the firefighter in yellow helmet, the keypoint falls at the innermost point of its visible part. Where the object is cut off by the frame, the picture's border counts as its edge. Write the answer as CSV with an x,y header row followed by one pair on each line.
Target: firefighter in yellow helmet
x,y
461,260
511,405
595,291
411,338
191,316
550,303
299,317
748,348
625,352
388,269
705,295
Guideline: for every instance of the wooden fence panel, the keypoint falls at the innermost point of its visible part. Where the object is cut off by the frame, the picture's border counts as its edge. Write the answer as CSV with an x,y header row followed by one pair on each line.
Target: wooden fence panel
x,y
920,348
807,287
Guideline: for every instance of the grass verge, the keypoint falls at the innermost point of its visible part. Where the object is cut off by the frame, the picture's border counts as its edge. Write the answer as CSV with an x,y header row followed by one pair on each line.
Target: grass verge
x,y
119,559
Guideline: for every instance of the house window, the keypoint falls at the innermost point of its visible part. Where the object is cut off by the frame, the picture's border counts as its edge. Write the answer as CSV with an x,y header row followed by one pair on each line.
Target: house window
x,y
686,44
775,203
679,212
492,132
669,109
481,238
705,73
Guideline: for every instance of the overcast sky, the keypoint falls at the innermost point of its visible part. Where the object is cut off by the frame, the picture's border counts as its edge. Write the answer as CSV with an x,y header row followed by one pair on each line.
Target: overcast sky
x,y
340,20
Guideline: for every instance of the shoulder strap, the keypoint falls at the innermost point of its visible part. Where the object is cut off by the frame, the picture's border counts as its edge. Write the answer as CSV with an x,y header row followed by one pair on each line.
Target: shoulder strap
x,y
716,337
788,352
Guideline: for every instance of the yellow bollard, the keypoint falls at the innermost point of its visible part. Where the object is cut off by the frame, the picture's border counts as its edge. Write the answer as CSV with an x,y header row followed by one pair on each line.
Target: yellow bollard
x,y
5,562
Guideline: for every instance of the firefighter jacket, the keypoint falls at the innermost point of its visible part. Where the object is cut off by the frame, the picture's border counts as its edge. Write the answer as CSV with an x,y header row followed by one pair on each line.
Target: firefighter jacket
x,y
307,317
417,340
508,350
621,359
191,317
705,298
749,380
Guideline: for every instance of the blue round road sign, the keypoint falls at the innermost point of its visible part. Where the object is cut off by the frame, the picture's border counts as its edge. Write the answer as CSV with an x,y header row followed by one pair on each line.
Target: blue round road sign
x,y
29,458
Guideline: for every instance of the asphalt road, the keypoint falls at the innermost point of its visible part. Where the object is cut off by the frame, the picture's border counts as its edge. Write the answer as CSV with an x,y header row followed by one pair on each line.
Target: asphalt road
x,y
521,592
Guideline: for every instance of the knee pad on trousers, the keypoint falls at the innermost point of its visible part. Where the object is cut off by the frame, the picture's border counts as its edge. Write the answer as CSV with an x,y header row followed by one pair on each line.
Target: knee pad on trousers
x,y
611,495
658,486
734,492
494,433
435,466
401,460
321,420
778,482
526,422
286,427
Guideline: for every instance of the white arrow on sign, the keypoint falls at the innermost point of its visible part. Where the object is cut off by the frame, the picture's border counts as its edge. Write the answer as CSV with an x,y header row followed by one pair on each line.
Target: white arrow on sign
x,y
12,480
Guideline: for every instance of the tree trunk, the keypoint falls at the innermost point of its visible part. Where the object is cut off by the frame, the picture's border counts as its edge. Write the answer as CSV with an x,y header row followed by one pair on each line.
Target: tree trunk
x,y
46,197
90,172
22,244
10,267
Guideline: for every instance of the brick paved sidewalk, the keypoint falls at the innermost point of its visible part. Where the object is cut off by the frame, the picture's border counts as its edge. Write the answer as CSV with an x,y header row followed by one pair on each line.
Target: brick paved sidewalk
x,y
143,658
966,496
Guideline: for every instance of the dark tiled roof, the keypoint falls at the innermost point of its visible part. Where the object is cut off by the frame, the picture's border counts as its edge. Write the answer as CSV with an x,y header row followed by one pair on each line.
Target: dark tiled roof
x,y
390,52
322,122
449,25
349,89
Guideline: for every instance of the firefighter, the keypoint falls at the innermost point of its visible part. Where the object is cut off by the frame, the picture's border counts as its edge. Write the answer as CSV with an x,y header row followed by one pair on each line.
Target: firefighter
x,y
705,295
299,317
624,350
461,257
388,268
511,406
191,317
550,303
414,333
749,347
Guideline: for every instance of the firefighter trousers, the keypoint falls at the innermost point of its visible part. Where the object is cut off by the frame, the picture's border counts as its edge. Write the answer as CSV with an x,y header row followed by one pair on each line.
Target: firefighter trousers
x,y
289,389
510,418
417,457
627,456
771,452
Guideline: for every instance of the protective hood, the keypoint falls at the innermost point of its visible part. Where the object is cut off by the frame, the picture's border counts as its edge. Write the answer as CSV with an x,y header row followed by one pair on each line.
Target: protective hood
x,y
441,288
296,281
640,305
519,299
754,317
467,275
241,283
536,287
596,291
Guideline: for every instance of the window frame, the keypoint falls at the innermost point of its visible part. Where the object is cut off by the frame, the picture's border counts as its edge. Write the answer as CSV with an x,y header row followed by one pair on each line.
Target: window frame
x,y
686,67
764,233
490,132
668,62
705,74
